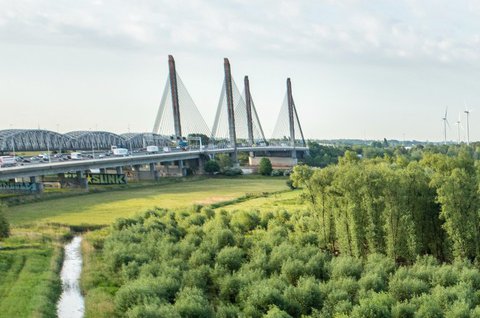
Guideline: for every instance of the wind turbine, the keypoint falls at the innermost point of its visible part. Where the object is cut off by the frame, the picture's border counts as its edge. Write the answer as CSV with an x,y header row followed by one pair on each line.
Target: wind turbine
x,y
468,124
458,123
445,123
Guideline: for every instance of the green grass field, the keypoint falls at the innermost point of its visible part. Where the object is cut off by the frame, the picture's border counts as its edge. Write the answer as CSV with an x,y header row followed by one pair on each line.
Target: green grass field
x,y
29,259
103,208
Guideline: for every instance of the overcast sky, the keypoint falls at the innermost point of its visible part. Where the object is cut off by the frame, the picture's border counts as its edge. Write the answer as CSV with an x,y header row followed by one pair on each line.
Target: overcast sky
x,y
359,69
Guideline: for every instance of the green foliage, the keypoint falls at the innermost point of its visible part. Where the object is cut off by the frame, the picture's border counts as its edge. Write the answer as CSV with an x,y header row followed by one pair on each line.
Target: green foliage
x,y
232,172
376,305
4,225
191,302
212,166
224,161
254,264
277,173
265,167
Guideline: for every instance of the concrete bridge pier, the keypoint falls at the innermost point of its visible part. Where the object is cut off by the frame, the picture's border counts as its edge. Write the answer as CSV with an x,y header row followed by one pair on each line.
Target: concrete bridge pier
x,y
182,168
201,165
37,179
82,179
136,169
153,171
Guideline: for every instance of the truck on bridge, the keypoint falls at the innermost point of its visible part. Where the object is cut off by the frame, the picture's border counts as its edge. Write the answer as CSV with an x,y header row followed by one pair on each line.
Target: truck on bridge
x,y
119,151
7,161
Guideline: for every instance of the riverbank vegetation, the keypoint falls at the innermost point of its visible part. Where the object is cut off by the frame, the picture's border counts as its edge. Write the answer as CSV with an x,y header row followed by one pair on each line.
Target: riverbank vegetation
x,y
30,262
392,236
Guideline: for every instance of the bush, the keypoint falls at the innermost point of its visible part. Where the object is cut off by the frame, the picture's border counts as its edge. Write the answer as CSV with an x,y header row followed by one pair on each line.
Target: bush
x,y
4,225
233,172
403,310
191,302
277,173
212,166
406,288
230,257
290,184
346,266
376,305
265,167
140,292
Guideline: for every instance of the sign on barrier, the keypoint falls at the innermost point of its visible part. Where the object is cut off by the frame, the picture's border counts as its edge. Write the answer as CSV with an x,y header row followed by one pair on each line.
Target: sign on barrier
x,y
100,178
20,186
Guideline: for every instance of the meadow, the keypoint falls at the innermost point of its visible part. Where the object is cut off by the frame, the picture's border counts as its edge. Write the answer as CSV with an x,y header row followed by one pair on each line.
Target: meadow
x,y
30,260
104,207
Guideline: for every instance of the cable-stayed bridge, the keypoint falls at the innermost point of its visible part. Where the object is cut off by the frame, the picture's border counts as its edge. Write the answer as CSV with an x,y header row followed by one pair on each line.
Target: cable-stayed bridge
x,y
236,127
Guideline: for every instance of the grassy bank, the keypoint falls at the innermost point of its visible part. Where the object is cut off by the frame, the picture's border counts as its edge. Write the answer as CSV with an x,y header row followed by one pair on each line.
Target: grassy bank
x,y
30,262
103,208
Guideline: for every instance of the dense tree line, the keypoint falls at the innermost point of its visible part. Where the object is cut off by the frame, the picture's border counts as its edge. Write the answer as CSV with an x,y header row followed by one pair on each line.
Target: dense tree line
x,y
396,206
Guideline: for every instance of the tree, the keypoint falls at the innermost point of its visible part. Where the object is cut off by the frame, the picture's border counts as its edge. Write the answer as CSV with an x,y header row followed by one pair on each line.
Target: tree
x,y
265,167
4,226
224,161
203,137
212,166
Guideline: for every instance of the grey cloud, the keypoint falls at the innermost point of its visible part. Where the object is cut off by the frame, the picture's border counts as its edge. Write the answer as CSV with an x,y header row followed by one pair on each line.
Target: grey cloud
x,y
383,30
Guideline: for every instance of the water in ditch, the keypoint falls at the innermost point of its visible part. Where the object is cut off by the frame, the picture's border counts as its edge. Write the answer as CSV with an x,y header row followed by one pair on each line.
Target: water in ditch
x,y
71,303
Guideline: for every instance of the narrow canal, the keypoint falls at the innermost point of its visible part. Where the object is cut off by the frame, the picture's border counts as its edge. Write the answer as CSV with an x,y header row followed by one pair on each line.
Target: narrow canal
x,y
71,303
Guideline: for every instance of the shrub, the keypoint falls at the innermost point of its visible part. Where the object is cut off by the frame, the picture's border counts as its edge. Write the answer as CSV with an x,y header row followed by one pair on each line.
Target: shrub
x,y
372,281
403,310
153,311
429,309
212,166
265,167
458,310
346,266
445,275
276,173
307,295
376,305
406,288
4,225
230,257
290,184
143,290
233,172
245,220
227,311
275,312
191,302
262,295
292,269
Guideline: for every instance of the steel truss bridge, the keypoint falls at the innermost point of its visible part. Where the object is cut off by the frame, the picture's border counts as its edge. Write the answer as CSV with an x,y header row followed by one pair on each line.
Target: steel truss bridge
x,y
236,128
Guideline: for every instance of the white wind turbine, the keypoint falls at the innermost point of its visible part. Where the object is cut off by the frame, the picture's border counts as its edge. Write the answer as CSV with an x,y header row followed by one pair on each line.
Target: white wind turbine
x,y
445,123
459,125
467,111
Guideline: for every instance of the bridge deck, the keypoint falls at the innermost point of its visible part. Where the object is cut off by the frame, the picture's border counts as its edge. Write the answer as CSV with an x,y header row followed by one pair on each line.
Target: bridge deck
x,y
87,164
